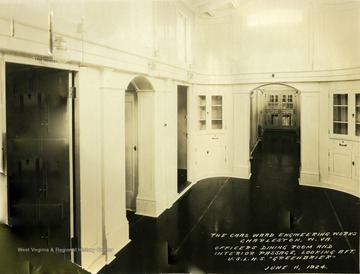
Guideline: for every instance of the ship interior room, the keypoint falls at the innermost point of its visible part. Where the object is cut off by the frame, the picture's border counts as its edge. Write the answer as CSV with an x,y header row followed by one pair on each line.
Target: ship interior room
x,y
179,136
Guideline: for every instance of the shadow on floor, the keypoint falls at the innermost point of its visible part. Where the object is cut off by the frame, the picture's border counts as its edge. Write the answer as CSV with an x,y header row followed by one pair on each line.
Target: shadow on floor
x,y
21,257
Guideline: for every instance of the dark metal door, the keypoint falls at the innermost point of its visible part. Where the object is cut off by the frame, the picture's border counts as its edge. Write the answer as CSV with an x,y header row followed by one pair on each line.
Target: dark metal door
x,y
38,128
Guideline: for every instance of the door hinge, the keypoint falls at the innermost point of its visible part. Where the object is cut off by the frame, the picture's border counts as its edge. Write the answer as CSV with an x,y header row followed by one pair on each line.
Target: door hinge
x,y
72,92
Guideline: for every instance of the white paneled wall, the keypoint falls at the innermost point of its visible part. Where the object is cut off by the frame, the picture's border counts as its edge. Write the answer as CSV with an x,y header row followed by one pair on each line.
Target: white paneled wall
x,y
89,120
310,137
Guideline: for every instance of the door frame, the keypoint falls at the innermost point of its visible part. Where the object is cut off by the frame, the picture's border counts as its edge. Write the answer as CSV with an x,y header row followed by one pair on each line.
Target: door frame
x,y
74,164
146,160
134,130
188,166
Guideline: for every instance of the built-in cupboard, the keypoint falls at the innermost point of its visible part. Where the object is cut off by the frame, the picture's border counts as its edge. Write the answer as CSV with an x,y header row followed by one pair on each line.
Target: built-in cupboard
x,y
344,152
210,150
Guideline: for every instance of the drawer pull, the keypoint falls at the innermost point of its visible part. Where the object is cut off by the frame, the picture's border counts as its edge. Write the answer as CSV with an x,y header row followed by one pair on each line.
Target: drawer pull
x,y
343,145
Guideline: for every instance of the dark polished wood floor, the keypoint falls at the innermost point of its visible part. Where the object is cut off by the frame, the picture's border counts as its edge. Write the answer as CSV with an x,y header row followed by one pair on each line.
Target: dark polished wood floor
x,y
268,214
221,213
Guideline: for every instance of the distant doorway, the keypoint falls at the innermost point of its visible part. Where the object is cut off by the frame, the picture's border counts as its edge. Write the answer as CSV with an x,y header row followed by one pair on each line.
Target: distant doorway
x,y
182,138
273,107
139,144
131,140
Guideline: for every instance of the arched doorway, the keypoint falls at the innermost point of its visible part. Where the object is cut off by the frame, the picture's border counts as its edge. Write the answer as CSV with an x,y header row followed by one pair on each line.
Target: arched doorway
x,y
139,140
273,107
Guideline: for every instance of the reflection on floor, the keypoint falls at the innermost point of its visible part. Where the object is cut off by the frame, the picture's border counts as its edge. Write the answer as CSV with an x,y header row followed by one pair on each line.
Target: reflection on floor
x,y
222,215
21,256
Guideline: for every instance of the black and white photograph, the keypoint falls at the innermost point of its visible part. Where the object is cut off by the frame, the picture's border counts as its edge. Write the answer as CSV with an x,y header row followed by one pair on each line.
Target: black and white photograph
x,y
179,136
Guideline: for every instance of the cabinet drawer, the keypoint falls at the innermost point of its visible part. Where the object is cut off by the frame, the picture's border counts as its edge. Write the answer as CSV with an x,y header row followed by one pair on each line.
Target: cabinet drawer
x,y
342,144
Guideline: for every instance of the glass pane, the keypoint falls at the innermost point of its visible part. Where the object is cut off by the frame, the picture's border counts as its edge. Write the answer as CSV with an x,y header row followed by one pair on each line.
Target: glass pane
x,y
202,113
340,128
202,100
340,114
202,125
340,99
216,124
274,119
216,100
357,110
286,120
216,112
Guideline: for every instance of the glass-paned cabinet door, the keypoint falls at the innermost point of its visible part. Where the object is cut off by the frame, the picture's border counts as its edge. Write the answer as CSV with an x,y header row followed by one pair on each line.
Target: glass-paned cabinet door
x,y
202,112
216,112
340,114
210,112
357,114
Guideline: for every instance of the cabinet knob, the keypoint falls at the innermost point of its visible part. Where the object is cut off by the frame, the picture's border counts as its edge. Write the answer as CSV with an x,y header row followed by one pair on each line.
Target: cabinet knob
x,y
353,163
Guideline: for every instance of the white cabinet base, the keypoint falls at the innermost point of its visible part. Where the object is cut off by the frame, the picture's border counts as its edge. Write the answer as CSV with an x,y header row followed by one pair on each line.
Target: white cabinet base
x,y
147,207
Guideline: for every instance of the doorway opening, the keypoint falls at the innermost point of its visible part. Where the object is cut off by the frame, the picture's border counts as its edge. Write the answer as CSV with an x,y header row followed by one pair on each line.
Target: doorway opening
x,y
273,107
182,138
39,155
131,143
139,145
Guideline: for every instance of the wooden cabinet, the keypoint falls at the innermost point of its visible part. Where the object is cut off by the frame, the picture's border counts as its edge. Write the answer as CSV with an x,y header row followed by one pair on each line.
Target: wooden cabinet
x,y
210,112
344,159
210,147
344,153
340,158
210,155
